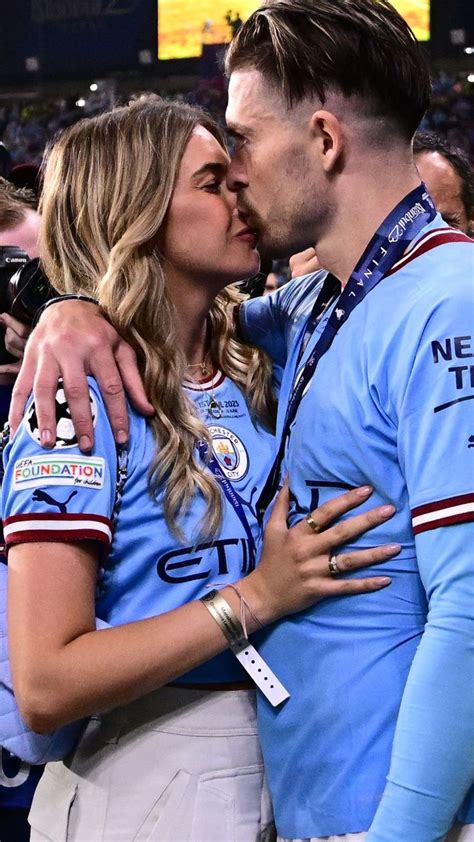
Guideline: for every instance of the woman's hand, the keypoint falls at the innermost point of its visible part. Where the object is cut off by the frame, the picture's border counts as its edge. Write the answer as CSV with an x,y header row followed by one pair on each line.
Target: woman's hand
x,y
71,341
294,573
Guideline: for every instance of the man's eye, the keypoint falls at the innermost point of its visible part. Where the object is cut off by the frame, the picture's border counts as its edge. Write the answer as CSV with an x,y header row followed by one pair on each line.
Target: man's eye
x,y
235,142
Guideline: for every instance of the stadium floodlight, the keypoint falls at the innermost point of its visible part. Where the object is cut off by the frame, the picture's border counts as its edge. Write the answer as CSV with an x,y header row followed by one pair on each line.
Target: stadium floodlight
x,y
469,50
94,87
470,77
80,102
32,64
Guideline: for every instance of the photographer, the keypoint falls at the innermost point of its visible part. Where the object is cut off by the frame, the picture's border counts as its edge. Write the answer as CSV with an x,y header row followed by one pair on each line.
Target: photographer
x,y
19,224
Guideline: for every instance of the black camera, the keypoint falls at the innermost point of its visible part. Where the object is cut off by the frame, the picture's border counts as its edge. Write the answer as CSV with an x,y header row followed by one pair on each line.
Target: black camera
x,y
23,289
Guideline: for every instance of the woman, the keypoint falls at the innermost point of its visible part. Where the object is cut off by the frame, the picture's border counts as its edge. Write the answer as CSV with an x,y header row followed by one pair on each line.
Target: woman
x,y
137,214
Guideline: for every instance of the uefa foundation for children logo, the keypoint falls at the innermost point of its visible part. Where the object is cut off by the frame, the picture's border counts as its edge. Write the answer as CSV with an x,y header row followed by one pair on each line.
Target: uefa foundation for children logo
x,y
230,452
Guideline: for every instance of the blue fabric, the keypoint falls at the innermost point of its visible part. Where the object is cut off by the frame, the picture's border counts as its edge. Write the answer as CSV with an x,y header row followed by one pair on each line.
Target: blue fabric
x,y
146,570
18,781
380,684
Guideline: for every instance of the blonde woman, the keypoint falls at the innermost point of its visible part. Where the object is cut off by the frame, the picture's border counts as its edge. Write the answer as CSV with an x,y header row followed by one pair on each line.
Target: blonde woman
x,y
136,213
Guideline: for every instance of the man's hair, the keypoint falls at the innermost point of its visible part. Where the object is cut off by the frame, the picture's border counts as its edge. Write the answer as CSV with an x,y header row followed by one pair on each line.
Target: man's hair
x,y
14,202
431,142
362,48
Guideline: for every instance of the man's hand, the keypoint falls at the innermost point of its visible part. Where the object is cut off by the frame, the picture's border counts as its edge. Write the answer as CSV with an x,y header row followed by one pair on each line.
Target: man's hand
x,y
16,335
304,262
71,341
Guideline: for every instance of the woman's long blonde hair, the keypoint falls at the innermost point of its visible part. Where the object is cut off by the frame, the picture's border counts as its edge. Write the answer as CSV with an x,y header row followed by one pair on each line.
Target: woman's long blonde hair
x,y
108,183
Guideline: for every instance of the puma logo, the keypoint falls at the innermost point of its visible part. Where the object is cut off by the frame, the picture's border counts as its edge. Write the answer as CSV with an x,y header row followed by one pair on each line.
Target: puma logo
x,y
44,497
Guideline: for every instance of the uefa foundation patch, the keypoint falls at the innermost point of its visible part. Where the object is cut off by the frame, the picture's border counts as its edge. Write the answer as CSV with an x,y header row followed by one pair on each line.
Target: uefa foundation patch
x,y
79,471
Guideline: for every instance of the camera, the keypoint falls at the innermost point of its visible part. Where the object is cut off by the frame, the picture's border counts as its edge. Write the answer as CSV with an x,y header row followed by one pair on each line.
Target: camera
x,y
23,289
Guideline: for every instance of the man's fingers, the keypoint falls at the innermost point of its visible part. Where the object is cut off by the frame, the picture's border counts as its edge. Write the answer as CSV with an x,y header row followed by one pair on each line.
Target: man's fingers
x,y
364,558
126,360
109,380
14,325
45,385
10,368
14,344
76,389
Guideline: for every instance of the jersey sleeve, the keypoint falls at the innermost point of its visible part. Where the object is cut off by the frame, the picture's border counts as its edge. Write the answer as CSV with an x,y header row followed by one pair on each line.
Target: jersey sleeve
x,y
271,321
60,494
432,765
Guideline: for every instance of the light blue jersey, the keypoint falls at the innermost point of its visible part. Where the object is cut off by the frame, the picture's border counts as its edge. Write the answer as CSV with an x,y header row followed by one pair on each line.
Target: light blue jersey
x,y
390,405
64,495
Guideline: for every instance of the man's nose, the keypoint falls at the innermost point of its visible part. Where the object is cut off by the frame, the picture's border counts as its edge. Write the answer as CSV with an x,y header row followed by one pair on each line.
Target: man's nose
x,y
236,176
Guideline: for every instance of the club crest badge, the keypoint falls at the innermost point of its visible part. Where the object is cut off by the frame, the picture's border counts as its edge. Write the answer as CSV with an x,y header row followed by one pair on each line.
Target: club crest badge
x,y
230,452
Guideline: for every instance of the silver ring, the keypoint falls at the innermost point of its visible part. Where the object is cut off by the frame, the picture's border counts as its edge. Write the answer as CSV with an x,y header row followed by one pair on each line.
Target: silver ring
x,y
333,568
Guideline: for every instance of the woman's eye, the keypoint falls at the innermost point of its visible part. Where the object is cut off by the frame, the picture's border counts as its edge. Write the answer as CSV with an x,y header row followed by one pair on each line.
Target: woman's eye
x,y
213,186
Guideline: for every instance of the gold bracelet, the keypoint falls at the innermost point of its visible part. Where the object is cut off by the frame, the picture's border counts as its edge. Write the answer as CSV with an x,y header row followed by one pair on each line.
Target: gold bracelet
x,y
226,619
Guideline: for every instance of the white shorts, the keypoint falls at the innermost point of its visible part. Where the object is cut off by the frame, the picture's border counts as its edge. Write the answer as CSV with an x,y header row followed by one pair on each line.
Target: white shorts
x,y
180,765
459,833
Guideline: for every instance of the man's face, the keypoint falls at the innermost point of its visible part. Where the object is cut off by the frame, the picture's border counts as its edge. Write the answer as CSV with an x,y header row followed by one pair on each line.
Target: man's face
x,y
24,234
271,168
445,187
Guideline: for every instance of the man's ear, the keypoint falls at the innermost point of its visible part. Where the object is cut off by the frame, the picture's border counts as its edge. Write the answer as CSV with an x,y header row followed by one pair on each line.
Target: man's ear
x,y
328,135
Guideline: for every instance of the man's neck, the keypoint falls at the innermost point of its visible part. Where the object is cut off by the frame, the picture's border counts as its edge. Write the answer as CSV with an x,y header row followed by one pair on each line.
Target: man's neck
x,y
359,215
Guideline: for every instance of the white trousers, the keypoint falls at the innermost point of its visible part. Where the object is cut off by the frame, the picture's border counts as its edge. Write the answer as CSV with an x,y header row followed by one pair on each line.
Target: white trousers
x,y
180,765
459,833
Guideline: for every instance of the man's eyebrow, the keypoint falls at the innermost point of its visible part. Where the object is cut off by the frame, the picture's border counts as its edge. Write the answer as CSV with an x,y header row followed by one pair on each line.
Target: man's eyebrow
x,y
211,168
236,130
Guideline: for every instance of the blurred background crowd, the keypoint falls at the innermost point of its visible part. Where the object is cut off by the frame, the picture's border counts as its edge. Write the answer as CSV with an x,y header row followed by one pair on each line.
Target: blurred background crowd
x,y
26,125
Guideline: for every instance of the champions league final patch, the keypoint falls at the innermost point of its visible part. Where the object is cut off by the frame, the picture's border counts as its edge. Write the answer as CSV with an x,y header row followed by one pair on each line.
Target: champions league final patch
x,y
79,471
65,434
230,452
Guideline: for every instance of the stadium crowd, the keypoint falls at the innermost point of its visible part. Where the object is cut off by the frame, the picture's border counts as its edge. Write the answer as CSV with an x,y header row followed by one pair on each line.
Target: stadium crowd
x,y
26,126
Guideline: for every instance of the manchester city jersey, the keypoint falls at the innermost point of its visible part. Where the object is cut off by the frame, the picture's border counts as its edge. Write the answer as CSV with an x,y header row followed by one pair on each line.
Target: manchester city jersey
x,y
64,495
390,405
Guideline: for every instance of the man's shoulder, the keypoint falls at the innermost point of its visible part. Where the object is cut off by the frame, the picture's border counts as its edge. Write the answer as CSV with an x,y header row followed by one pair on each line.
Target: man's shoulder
x,y
440,256
298,296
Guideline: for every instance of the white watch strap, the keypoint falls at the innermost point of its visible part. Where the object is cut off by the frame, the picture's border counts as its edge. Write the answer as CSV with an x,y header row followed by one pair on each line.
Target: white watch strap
x,y
243,650
258,669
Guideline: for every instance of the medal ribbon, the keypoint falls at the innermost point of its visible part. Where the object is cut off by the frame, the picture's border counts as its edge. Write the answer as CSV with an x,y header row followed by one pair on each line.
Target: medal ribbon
x,y
234,499
385,248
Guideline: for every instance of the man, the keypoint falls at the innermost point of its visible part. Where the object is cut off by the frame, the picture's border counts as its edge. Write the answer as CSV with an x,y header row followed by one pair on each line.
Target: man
x,y
447,173
324,99
19,226
19,218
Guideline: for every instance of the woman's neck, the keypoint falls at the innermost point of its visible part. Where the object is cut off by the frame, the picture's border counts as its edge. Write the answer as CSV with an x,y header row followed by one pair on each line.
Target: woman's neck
x,y
192,307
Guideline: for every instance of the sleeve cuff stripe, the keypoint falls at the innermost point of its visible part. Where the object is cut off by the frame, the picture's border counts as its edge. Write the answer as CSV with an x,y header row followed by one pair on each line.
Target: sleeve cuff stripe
x,y
445,516
443,505
60,518
51,526
57,535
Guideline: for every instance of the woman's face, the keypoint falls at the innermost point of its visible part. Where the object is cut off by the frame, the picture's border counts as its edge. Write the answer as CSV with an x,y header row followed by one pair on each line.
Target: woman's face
x,y
204,237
